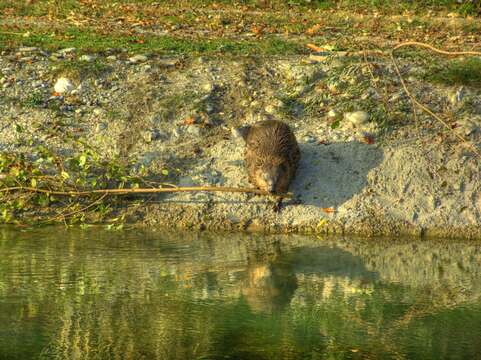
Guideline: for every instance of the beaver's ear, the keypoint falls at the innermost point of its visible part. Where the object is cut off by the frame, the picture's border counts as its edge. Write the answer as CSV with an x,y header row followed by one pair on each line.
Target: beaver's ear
x,y
242,132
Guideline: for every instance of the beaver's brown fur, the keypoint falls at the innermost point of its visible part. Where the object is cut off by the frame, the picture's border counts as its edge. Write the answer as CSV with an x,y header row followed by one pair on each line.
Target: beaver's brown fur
x,y
271,155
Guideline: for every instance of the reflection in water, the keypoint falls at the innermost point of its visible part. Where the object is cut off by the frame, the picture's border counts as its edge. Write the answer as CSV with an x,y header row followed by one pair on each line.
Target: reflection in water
x,y
269,287
128,295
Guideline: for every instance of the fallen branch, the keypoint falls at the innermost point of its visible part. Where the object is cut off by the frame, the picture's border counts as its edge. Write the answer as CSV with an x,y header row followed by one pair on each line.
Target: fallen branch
x,y
144,191
436,50
423,107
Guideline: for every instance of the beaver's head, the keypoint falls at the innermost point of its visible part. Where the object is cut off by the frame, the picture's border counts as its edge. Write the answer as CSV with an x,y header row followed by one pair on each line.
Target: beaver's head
x,y
269,173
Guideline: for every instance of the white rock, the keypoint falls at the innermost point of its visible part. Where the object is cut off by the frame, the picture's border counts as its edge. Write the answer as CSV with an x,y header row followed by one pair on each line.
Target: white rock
x,y
28,49
209,87
87,58
63,85
138,59
455,97
357,117
270,109
309,139
37,83
98,111
67,50
332,113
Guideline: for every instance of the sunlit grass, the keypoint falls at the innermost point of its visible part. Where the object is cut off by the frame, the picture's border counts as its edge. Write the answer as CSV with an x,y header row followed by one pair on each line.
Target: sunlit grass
x,y
89,40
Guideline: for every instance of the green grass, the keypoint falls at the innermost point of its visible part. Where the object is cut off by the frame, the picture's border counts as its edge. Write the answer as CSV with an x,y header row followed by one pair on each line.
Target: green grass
x,y
82,69
62,8
58,8
34,100
88,40
459,72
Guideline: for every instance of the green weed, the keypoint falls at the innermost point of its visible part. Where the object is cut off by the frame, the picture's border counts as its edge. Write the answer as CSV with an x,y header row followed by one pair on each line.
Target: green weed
x,y
459,72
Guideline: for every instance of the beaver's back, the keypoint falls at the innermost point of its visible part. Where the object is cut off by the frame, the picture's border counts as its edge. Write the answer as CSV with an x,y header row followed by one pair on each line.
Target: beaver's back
x,y
271,138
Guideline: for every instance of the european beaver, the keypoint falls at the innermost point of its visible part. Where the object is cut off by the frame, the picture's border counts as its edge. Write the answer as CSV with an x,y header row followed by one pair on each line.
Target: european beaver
x,y
271,155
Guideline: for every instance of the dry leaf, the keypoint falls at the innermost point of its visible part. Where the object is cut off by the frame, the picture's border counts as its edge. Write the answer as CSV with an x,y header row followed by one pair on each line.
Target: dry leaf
x,y
368,139
256,29
189,121
313,30
314,47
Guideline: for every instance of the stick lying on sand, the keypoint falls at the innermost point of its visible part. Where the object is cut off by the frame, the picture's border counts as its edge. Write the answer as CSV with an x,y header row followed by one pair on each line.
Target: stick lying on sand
x,y
145,191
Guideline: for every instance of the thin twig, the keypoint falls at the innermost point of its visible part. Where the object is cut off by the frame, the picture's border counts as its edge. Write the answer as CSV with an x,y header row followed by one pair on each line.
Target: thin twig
x,y
64,216
436,50
144,191
422,106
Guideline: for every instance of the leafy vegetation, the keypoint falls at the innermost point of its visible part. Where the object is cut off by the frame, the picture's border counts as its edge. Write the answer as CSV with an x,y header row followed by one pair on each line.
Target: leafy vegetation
x,y
83,170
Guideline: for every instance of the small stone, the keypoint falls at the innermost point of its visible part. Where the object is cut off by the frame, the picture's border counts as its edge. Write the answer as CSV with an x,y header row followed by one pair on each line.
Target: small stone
x,y
147,135
308,139
209,87
193,130
332,113
98,112
209,108
101,127
396,97
55,57
158,135
67,51
63,85
335,137
138,59
177,132
456,97
37,83
87,58
168,62
270,109
28,49
27,59
357,117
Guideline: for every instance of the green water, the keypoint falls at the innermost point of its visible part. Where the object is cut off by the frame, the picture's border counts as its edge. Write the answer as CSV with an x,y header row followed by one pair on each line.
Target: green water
x,y
93,294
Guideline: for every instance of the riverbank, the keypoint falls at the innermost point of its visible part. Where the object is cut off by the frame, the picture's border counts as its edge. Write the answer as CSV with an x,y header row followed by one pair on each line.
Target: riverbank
x,y
367,166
